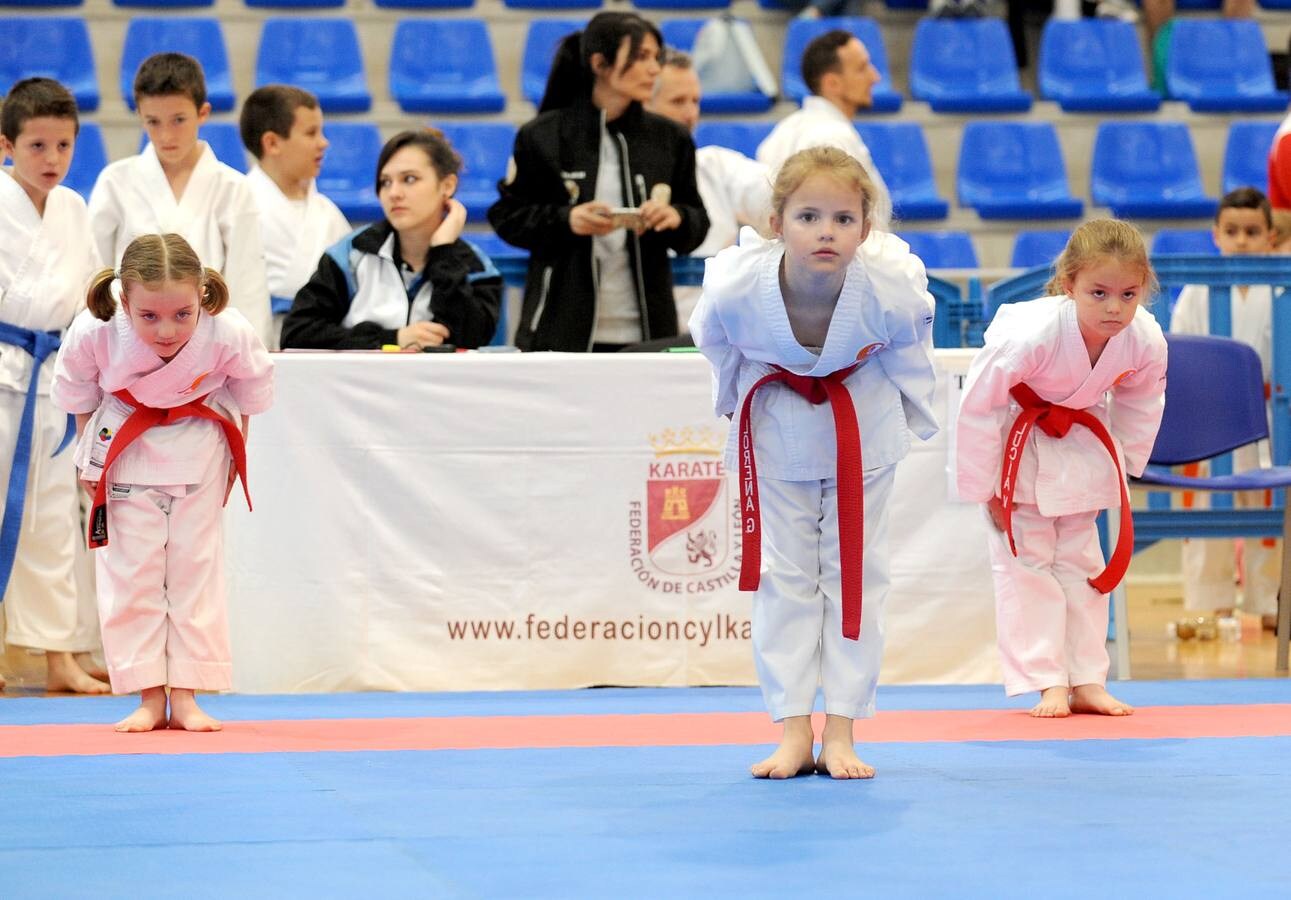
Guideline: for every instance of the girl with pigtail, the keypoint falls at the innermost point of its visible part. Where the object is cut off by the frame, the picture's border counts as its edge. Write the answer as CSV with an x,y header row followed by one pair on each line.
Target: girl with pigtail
x,y
162,379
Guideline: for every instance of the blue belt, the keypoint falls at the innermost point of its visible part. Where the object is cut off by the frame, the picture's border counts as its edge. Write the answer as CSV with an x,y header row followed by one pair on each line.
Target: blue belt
x,y
280,306
40,344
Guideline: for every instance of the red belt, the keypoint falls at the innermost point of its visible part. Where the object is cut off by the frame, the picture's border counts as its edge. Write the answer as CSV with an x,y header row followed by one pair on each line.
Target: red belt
x,y
1056,421
851,487
139,421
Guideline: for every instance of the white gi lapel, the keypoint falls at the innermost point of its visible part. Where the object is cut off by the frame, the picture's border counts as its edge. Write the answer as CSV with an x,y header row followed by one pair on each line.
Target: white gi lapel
x,y
152,189
173,383
197,202
22,228
1091,382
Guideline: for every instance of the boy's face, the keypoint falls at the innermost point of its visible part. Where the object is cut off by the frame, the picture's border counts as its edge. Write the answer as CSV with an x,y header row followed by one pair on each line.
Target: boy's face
x,y
301,152
172,122
1242,231
41,154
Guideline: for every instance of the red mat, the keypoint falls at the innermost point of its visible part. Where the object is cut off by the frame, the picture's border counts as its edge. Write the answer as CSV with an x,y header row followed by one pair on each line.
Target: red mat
x,y
647,730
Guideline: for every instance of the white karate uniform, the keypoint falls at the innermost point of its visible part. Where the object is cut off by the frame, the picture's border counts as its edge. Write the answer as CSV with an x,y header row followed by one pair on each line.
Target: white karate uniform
x,y
883,316
1209,578
217,215
46,263
161,576
294,233
1051,625
821,123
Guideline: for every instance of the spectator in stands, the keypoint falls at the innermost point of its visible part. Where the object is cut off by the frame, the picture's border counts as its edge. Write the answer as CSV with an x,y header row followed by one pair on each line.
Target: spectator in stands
x,y
409,280
837,70
600,279
282,127
177,185
736,190
1157,16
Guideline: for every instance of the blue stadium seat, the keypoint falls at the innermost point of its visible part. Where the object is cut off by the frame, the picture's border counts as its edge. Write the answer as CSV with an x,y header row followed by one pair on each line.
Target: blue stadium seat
x,y
319,55
801,33
1094,65
900,153
680,33
51,47
1246,155
88,159
741,136
1014,170
485,148
1147,169
225,141
444,65
1191,241
1038,248
1222,65
200,38
553,4
540,44
425,4
942,249
349,170
965,65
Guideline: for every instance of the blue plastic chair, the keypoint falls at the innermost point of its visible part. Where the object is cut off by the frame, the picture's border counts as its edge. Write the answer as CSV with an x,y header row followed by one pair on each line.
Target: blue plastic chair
x,y
1094,65
1038,248
319,55
1222,65
540,44
55,47
485,148
1188,241
349,170
88,159
1148,170
1246,155
225,141
801,33
553,4
680,34
1014,170
942,249
444,65
200,38
965,65
740,136
900,153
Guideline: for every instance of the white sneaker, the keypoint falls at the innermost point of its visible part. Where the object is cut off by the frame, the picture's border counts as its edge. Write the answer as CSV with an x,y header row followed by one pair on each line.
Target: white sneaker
x,y
1117,9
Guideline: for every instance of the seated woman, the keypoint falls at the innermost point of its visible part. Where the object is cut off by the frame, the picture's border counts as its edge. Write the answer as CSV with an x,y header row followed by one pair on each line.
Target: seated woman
x,y
409,279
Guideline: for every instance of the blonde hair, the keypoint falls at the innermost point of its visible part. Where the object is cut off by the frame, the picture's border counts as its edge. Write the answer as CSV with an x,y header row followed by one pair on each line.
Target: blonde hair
x,y
1281,225
152,260
831,161
1097,240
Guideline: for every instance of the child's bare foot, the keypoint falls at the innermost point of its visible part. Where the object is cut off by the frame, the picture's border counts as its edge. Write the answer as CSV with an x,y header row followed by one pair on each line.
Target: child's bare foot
x,y
838,757
63,673
150,715
793,756
90,667
185,714
1093,698
1053,704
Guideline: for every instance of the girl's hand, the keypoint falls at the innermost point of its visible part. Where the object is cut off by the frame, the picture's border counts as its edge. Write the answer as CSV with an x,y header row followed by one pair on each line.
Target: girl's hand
x,y
590,218
90,487
422,334
450,229
659,216
995,509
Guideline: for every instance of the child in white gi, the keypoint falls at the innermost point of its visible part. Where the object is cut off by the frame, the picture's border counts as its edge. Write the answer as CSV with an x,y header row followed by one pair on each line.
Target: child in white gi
x,y
46,259
1051,363
158,387
822,338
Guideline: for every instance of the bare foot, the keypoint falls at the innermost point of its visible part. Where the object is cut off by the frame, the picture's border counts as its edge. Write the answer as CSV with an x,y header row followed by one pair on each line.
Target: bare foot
x,y
150,715
90,667
1093,698
185,714
64,674
1053,704
793,756
838,757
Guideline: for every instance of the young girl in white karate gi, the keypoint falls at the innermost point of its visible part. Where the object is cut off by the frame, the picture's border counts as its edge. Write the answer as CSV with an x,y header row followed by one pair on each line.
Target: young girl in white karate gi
x,y
159,385
1053,363
821,339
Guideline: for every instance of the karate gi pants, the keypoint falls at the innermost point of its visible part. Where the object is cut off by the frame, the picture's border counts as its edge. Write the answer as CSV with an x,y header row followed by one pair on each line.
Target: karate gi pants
x,y
161,586
1050,624
798,640
43,607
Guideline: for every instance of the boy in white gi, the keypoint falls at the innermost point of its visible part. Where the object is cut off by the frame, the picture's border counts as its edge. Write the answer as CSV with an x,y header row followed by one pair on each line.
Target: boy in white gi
x,y
819,314
1051,363
177,185
46,259
1243,225
158,387
282,127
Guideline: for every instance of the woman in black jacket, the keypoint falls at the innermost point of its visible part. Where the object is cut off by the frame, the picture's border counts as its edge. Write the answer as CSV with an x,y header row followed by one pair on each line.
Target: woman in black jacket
x,y
599,191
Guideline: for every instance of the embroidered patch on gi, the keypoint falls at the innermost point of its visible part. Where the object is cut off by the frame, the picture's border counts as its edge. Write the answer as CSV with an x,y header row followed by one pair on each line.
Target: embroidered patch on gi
x,y
869,349
1124,376
105,434
197,382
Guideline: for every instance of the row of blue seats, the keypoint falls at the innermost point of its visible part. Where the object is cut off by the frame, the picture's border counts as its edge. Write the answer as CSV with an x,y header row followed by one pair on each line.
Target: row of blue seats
x,y
448,65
